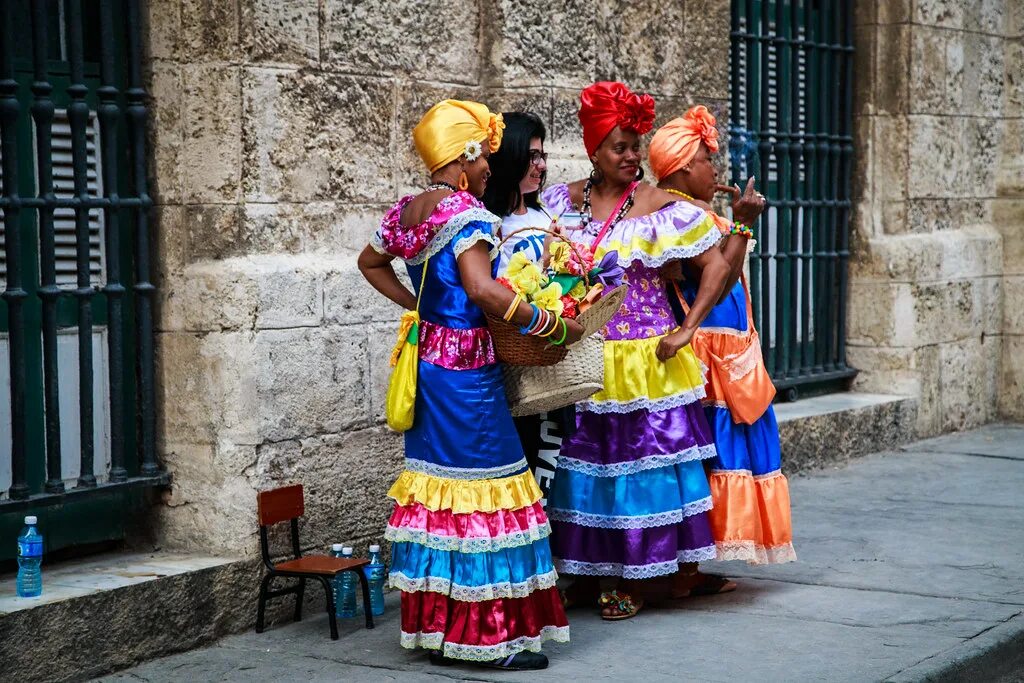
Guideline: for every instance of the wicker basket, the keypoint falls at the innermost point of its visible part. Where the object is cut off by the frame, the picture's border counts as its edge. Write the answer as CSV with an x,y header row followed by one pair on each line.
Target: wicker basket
x,y
532,390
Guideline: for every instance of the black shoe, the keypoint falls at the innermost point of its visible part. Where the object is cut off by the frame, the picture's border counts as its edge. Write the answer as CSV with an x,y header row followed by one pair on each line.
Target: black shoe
x,y
520,661
438,659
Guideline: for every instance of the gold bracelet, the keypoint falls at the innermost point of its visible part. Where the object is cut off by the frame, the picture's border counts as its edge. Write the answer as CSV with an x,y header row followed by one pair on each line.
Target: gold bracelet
x,y
512,307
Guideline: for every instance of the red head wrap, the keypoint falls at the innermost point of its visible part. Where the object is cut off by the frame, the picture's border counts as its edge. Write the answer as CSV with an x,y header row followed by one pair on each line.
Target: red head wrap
x,y
605,105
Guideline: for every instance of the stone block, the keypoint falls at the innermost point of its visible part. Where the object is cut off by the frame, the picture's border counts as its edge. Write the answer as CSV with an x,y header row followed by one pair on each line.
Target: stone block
x,y
935,159
166,131
530,43
534,100
983,137
990,297
567,132
345,477
652,42
310,381
1011,388
985,73
1014,78
210,155
424,39
167,227
213,231
943,312
209,31
894,11
380,367
187,406
892,75
928,367
210,296
163,18
964,367
1008,218
281,32
930,73
316,136
939,13
414,99
987,16
890,157
873,311
1010,170
290,291
970,252
349,299
883,370
1014,26
1013,312
865,43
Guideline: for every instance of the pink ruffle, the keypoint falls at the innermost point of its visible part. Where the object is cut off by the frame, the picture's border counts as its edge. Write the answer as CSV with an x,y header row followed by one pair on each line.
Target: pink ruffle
x,y
468,525
456,349
406,242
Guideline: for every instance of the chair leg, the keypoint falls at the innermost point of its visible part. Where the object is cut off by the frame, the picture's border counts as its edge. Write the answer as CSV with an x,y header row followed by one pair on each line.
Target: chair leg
x,y
299,597
261,604
364,584
331,616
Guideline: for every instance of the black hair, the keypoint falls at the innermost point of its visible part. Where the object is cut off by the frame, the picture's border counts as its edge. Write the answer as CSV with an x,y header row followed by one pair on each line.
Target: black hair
x,y
511,162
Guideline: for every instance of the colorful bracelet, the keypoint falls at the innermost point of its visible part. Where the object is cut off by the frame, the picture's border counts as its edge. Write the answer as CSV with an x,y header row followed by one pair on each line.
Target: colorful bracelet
x,y
525,329
740,229
553,328
512,307
565,333
542,322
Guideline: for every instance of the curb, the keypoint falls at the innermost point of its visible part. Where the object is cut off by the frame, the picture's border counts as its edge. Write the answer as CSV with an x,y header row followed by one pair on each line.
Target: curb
x,y
990,656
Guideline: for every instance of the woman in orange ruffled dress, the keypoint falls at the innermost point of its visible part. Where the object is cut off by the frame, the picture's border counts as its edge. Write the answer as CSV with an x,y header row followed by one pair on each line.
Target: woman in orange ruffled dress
x,y
750,517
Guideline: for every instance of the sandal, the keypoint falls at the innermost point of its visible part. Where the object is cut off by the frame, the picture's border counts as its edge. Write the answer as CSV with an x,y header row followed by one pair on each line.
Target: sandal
x,y
625,604
712,584
520,661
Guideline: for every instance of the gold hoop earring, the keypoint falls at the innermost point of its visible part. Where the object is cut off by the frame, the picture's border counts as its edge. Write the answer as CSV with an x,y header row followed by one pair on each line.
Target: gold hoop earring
x,y
463,181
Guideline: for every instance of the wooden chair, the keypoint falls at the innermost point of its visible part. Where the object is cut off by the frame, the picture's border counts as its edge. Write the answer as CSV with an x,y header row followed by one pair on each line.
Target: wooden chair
x,y
286,504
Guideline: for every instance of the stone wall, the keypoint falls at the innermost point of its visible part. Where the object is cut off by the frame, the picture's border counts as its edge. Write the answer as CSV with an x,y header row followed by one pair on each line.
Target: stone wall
x,y
280,135
936,272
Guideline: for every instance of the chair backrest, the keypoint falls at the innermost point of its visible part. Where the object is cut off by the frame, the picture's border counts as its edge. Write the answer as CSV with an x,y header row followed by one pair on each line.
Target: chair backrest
x,y
280,505
284,504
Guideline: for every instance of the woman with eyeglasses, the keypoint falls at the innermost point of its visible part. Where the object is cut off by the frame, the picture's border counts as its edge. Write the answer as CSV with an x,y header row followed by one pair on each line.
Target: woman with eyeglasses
x,y
518,171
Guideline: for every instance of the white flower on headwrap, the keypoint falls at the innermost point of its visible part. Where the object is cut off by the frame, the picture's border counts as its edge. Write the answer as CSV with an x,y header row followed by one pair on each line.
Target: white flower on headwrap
x,y
473,150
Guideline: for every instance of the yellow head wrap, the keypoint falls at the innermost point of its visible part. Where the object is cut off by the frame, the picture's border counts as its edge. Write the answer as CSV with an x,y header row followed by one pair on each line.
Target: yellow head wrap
x,y
677,142
441,135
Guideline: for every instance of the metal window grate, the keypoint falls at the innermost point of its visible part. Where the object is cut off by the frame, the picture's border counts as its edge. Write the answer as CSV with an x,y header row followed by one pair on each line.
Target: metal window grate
x,y
791,126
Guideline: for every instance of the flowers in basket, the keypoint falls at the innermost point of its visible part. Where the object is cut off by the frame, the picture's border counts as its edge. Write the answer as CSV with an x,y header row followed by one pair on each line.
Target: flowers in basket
x,y
570,282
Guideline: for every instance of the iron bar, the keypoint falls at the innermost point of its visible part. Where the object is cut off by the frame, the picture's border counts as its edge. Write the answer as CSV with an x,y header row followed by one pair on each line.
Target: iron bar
x,y
13,294
78,118
847,181
144,290
764,150
49,293
108,112
783,253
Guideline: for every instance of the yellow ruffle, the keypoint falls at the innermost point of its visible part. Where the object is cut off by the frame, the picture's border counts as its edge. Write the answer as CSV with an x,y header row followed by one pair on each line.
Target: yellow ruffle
x,y
632,371
462,496
696,240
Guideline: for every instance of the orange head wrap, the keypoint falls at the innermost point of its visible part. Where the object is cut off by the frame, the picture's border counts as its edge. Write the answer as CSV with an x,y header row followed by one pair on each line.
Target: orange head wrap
x,y
441,135
605,105
677,142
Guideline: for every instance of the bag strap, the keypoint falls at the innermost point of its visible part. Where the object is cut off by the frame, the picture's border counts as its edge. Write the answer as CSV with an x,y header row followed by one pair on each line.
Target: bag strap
x,y
746,292
423,281
610,223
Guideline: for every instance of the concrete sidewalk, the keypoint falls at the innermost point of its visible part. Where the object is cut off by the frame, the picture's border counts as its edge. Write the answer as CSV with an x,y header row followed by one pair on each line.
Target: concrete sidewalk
x,y
911,569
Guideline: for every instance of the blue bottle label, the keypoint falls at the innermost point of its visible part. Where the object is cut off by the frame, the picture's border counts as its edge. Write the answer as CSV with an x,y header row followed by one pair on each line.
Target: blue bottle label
x,y
30,548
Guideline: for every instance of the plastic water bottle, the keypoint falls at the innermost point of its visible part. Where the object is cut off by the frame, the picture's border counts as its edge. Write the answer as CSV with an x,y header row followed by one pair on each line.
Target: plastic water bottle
x,y
29,583
336,588
346,601
375,577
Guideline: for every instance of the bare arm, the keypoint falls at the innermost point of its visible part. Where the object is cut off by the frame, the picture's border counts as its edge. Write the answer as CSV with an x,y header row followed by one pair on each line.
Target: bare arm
x,y
379,272
713,273
746,208
475,270
734,250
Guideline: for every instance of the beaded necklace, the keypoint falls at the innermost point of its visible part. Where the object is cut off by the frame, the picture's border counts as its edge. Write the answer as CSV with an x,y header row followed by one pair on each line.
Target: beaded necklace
x,y
672,190
586,213
440,186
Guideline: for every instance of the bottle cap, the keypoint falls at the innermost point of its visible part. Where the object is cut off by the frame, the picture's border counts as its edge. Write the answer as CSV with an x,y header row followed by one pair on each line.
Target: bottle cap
x,y
374,548
31,520
347,550
336,547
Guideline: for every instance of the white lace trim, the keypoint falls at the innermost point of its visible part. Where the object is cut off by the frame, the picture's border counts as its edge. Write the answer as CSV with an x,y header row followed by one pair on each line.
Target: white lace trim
x,y
491,591
649,462
590,519
710,239
653,404
377,245
477,236
467,545
484,653
755,554
635,571
468,473
755,477
454,225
